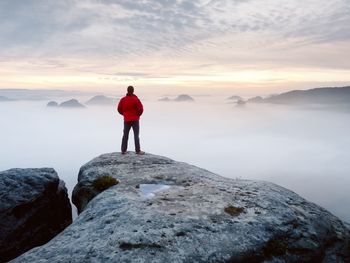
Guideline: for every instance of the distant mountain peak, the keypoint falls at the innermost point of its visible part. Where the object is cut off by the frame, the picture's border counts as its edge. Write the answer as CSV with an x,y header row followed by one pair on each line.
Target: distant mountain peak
x,y
327,95
101,100
73,103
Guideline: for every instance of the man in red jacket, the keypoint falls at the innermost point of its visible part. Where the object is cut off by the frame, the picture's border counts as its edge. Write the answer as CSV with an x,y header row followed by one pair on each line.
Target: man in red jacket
x,y
131,108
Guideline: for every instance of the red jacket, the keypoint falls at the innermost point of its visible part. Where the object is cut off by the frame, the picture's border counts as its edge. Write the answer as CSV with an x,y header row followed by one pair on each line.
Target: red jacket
x,y
130,107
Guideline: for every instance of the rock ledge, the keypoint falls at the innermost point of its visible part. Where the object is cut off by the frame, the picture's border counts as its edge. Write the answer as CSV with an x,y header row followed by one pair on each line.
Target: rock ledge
x,y
34,207
199,217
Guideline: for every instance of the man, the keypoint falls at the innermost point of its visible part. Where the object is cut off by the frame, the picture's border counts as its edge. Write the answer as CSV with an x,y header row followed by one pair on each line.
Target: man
x,y
131,108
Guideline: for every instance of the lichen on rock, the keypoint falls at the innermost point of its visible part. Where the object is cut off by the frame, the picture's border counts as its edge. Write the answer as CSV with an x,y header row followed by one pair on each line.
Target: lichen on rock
x,y
233,211
104,182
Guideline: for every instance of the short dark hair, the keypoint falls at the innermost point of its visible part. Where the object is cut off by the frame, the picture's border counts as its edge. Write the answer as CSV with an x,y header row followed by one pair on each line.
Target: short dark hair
x,y
130,89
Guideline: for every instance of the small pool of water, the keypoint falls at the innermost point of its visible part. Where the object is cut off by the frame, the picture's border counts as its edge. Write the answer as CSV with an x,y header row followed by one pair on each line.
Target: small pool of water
x,y
149,190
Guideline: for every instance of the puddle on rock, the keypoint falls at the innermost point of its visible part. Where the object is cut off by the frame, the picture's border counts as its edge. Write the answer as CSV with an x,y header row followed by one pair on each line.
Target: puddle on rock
x,y
149,190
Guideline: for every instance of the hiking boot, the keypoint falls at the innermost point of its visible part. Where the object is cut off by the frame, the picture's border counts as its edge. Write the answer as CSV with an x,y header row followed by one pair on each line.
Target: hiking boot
x,y
123,152
140,152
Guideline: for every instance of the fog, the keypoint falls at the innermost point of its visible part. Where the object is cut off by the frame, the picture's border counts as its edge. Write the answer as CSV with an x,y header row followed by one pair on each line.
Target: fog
x,y
305,150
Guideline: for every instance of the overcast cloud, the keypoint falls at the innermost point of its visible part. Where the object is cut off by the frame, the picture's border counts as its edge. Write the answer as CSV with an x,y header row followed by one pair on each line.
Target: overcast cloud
x,y
167,38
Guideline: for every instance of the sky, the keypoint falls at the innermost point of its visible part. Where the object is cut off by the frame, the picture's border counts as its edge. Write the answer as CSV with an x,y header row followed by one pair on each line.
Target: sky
x,y
248,46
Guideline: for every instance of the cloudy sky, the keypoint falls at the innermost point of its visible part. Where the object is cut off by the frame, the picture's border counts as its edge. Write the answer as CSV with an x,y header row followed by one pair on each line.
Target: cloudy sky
x,y
251,45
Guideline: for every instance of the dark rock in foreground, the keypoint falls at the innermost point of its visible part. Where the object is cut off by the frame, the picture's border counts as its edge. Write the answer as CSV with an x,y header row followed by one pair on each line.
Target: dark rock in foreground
x,y
52,104
189,215
101,100
73,103
34,207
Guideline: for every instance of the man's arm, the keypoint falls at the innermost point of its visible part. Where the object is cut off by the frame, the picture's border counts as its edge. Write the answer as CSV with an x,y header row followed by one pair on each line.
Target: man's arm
x,y
139,107
120,107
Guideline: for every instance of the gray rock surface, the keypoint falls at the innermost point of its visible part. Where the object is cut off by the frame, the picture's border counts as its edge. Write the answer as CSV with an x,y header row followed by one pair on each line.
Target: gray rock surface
x,y
199,217
34,207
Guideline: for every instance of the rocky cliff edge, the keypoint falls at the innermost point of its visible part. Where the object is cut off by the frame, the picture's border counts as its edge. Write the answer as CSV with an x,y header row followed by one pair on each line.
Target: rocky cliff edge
x,y
167,211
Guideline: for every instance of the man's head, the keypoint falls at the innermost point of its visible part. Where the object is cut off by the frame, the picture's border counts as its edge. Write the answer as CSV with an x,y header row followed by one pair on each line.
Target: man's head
x,y
130,90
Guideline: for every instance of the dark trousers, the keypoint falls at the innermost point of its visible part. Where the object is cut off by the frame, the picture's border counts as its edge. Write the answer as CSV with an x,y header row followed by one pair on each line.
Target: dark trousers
x,y
136,129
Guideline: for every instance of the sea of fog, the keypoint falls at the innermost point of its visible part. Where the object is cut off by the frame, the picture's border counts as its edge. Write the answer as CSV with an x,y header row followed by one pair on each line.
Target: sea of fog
x,y
303,149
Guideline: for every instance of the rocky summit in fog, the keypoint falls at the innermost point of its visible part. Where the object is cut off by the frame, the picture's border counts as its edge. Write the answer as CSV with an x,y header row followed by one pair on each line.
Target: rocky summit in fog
x,y
164,99
179,98
167,211
34,207
335,96
52,104
3,98
101,100
73,103
184,97
240,102
256,99
235,98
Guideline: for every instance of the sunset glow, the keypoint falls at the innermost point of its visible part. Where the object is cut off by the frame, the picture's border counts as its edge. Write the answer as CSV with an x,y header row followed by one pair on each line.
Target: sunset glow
x,y
88,45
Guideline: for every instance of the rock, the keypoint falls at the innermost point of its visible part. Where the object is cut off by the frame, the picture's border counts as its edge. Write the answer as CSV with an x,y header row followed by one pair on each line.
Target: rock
x,y
3,98
320,96
73,103
183,97
101,100
235,98
336,96
256,99
34,207
240,102
52,104
164,99
192,215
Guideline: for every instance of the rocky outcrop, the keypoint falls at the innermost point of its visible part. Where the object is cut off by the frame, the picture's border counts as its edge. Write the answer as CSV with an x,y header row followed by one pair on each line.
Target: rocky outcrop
x,y
183,97
73,103
322,96
179,98
3,98
235,98
101,100
256,99
52,104
34,207
164,99
240,102
167,211
319,96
